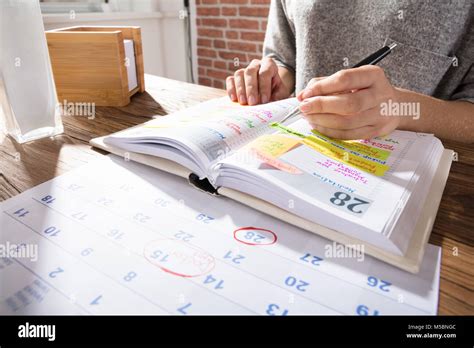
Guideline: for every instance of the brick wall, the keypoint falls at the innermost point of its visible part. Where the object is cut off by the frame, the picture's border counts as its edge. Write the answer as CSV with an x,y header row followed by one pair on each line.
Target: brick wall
x,y
230,34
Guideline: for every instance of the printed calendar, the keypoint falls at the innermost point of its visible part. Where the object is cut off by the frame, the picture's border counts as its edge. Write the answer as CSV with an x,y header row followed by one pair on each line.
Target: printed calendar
x,y
117,237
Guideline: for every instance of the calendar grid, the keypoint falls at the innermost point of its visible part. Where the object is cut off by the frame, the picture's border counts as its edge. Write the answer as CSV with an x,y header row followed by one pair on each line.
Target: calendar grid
x,y
227,263
220,231
105,274
50,285
159,240
81,260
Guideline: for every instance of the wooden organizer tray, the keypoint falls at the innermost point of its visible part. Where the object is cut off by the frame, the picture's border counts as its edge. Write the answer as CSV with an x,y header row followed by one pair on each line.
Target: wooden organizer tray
x,y
89,64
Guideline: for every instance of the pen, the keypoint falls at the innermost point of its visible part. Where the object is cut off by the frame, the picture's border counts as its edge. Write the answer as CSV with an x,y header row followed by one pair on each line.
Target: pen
x,y
373,59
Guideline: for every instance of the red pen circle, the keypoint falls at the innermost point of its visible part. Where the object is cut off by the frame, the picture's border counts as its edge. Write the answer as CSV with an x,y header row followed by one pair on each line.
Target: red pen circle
x,y
182,259
270,235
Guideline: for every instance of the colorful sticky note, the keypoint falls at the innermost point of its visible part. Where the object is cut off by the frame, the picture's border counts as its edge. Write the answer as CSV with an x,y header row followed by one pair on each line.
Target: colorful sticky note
x,y
361,156
275,162
356,146
274,145
341,155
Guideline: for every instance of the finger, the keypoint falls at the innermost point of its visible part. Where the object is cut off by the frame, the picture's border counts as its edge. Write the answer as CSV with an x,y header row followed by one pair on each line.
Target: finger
x,y
230,86
240,86
251,82
311,82
342,104
279,93
345,80
267,75
342,122
386,128
366,132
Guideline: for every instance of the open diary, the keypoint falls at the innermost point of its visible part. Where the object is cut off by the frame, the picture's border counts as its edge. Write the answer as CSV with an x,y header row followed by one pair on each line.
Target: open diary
x,y
382,192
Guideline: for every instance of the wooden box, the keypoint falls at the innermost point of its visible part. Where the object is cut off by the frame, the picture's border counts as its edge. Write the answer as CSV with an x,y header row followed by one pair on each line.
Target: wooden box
x,y
89,64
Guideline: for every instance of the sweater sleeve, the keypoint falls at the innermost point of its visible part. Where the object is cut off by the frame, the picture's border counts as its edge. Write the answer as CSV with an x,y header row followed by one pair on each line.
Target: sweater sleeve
x,y
465,90
280,41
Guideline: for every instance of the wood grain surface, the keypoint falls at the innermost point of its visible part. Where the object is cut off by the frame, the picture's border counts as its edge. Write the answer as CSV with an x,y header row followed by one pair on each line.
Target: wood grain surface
x,y
24,166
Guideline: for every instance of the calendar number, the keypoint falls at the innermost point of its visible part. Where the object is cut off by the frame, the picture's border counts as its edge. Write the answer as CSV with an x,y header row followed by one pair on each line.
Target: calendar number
x,y
130,276
159,255
204,218
345,201
184,236
341,199
161,202
115,234
74,187
311,259
141,217
48,199
299,284
235,258
96,301
380,284
255,236
126,188
105,201
21,212
274,309
364,310
56,272
79,216
52,231
183,309
87,252
214,282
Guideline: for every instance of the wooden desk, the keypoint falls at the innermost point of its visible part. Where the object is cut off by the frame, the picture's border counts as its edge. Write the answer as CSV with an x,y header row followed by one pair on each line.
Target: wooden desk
x,y
24,166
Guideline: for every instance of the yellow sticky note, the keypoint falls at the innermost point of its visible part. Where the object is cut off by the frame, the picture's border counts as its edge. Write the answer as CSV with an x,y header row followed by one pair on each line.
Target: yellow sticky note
x,y
358,147
341,155
275,144
366,150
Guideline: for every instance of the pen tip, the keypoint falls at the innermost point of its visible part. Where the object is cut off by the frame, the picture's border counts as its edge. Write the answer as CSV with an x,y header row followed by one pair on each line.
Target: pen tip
x,y
392,46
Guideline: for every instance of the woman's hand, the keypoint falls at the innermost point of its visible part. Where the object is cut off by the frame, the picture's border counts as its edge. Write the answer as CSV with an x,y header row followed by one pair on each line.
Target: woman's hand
x,y
347,104
259,83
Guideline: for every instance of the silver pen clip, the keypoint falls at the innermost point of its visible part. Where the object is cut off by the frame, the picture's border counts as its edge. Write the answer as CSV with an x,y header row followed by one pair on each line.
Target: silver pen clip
x,y
292,113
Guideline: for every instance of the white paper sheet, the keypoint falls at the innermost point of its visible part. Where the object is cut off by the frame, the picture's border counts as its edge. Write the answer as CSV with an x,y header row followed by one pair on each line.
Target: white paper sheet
x,y
131,64
119,237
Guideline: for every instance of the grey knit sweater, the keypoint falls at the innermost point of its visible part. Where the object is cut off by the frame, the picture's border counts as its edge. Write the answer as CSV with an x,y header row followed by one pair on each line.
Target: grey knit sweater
x,y
435,51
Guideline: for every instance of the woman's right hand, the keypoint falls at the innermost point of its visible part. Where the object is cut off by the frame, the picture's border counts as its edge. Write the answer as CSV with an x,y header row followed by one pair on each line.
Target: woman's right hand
x,y
259,83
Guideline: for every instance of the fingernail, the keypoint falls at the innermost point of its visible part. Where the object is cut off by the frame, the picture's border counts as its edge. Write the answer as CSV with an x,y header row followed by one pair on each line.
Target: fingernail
x,y
304,106
233,97
300,95
252,100
242,99
264,99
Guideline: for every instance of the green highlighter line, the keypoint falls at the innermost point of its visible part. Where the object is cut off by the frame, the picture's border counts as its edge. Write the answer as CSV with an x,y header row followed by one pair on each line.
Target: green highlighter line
x,y
287,130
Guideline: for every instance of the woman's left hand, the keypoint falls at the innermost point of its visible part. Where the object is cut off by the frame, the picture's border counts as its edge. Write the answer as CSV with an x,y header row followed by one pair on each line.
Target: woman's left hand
x,y
347,104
